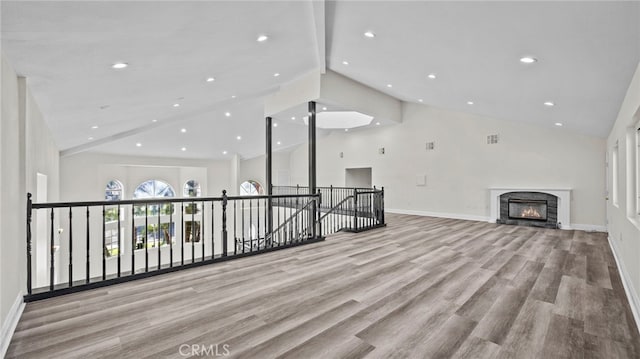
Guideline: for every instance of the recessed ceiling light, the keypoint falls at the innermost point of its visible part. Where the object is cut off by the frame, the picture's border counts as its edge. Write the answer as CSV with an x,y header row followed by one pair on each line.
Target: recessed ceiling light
x,y
276,74
377,123
324,109
184,130
469,102
528,60
154,120
369,34
228,114
279,143
420,100
183,149
94,127
138,144
293,117
275,125
431,76
210,79
346,130
262,38
389,85
90,138
233,96
176,105
119,65
346,63
559,124
224,152
238,138
549,103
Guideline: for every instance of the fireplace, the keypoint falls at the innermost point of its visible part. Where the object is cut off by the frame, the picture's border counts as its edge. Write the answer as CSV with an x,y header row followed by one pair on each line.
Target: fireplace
x,y
535,209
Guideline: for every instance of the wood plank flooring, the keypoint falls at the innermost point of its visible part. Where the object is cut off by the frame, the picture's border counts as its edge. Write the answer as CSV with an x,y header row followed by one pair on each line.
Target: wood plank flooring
x,y
420,288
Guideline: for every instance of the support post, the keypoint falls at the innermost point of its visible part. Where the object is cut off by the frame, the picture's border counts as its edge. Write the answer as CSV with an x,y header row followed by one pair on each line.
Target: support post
x,y
312,163
269,183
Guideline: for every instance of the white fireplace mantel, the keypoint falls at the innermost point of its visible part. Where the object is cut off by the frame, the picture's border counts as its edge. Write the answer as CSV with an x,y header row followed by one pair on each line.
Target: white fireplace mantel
x,y
564,202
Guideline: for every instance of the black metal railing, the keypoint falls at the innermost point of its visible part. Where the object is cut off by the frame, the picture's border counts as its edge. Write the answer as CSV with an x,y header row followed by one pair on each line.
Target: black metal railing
x,y
343,208
120,241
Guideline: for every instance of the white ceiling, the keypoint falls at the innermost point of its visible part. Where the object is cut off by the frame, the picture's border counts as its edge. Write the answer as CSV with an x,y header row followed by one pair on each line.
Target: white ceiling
x,y
587,53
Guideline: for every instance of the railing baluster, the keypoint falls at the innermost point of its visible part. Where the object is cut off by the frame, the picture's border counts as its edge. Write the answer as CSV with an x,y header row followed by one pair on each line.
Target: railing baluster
x,y
146,237
224,223
119,242
182,231
258,215
250,225
243,230
193,232
104,243
202,236
51,268
70,248
171,228
235,235
159,236
213,243
134,239
88,268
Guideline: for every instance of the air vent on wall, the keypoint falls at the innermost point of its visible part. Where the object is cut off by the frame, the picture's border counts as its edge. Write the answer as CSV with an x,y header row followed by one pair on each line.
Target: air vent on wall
x,y
492,139
431,146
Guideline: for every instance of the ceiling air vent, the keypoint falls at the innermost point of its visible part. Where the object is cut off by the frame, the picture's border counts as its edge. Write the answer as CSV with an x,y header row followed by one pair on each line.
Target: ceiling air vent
x,y
492,139
431,146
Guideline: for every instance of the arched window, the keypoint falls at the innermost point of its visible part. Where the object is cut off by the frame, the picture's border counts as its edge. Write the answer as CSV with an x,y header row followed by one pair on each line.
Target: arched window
x,y
112,192
191,189
155,235
251,188
153,189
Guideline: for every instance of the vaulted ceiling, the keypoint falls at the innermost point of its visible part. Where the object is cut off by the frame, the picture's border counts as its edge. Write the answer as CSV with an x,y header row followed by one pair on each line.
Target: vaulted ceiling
x,y
586,53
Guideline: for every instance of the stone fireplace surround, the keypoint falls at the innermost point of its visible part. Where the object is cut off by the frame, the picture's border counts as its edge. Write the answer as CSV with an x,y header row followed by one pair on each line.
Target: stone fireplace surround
x,y
551,204
564,203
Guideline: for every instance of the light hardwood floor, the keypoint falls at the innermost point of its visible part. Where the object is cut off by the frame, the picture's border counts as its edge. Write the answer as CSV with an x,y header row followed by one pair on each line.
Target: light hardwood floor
x,y
421,287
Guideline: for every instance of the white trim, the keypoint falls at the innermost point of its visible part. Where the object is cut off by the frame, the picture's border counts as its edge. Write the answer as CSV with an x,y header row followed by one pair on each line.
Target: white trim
x,y
586,227
632,296
471,217
468,217
10,323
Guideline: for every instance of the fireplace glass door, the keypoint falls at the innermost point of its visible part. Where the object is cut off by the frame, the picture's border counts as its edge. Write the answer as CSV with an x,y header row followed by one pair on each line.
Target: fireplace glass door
x,y
528,209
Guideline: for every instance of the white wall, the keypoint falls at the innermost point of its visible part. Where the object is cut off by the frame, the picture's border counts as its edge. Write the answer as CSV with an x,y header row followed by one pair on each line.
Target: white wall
x,y
26,148
462,167
84,175
254,168
624,232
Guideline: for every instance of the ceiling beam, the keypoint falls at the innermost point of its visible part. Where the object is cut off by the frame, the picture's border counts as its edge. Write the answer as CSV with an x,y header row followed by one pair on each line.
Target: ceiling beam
x,y
318,9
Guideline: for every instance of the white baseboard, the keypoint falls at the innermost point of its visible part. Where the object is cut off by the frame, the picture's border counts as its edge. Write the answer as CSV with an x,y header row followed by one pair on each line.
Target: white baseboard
x,y
587,227
468,217
10,323
632,296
